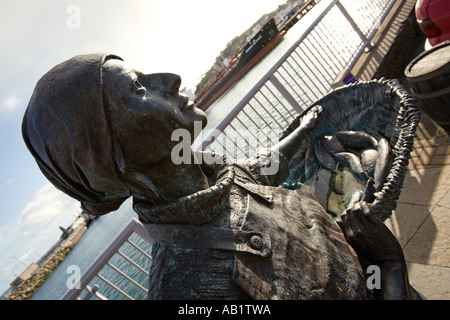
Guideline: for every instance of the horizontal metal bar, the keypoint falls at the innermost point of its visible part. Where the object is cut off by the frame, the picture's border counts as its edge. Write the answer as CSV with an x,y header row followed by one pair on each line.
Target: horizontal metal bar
x,y
139,249
132,262
115,287
126,277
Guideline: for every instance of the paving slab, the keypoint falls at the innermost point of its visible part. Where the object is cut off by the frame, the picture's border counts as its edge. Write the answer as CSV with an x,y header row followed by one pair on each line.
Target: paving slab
x,y
431,243
426,186
431,281
406,220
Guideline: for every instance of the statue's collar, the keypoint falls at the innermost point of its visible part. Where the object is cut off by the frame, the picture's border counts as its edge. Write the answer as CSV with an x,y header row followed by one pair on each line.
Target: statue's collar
x,y
197,208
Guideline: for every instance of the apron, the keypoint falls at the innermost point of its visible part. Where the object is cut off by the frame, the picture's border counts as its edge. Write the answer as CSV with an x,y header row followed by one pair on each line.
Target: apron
x,y
287,248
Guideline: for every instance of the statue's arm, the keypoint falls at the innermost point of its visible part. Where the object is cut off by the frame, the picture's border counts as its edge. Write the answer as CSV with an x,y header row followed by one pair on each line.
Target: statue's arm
x,y
289,145
374,243
394,281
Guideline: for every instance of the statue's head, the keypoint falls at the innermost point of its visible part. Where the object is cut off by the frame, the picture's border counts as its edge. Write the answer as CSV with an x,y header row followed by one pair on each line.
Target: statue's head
x,y
93,120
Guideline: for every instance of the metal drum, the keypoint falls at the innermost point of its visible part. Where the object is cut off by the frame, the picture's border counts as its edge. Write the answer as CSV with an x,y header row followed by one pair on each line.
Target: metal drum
x,y
429,78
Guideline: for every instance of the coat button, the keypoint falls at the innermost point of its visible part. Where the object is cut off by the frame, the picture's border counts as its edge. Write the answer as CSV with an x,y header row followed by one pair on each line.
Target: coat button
x,y
256,242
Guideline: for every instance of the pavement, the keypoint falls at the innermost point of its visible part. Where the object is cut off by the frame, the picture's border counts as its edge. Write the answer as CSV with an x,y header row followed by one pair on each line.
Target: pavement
x,y
421,221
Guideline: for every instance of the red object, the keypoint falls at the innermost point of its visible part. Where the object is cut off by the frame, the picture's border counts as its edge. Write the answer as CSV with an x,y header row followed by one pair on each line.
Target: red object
x,y
433,17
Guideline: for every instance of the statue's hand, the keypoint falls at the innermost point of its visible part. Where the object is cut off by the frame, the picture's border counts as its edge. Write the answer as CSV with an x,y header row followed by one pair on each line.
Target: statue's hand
x,y
374,243
368,236
289,145
310,118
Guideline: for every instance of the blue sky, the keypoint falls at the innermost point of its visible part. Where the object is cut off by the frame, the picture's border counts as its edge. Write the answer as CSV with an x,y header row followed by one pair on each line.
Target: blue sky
x,y
178,36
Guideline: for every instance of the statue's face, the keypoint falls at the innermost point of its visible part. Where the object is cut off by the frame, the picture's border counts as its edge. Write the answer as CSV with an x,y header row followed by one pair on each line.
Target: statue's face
x,y
145,109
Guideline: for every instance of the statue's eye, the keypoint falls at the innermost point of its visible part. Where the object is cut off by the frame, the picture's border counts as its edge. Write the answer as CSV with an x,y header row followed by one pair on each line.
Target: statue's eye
x,y
138,87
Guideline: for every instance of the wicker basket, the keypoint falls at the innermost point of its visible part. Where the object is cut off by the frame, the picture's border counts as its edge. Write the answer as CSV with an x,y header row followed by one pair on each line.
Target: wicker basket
x,y
382,108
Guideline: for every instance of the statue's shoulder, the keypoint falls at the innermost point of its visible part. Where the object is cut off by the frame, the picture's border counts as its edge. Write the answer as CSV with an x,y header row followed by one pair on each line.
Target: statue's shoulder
x,y
266,167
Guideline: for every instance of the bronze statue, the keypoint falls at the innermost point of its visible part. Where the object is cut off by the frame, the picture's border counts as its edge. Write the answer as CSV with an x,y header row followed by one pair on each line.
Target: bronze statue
x,y
100,131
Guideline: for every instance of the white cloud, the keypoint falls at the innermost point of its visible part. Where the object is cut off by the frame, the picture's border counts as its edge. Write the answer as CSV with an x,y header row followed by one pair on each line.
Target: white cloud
x,y
26,255
27,238
10,103
49,206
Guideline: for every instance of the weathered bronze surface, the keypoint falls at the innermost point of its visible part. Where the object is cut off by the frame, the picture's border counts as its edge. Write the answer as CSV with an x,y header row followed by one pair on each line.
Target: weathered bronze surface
x,y
101,132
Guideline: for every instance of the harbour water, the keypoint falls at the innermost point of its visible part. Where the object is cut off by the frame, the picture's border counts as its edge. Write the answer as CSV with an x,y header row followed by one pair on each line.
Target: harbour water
x,y
103,229
97,237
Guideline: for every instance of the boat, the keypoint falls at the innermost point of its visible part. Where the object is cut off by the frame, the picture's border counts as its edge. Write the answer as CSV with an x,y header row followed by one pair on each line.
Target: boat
x,y
255,49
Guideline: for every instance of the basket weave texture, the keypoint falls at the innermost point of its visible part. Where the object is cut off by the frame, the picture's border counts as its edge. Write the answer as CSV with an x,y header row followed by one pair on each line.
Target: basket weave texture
x,y
381,108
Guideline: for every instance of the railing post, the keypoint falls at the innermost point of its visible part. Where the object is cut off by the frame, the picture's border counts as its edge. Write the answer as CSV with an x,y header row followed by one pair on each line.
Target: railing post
x,y
355,27
289,98
386,11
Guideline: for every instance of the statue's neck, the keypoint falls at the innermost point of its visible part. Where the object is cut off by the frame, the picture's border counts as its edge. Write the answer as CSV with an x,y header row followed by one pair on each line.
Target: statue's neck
x,y
166,181
175,181
197,204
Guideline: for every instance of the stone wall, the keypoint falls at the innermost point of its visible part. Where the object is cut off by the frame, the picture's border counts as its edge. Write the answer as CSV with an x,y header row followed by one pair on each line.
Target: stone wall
x,y
26,289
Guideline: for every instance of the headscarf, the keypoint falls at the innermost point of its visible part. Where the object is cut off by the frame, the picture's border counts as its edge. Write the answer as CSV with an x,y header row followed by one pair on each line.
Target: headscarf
x,y
66,129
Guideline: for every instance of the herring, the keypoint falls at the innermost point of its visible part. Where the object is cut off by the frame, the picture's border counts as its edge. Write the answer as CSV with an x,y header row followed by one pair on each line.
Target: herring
x,y
368,160
332,144
383,163
325,159
356,139
352,162
311,164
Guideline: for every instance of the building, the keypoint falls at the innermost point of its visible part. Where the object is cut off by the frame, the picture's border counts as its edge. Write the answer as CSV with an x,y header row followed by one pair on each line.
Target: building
x,y
25,275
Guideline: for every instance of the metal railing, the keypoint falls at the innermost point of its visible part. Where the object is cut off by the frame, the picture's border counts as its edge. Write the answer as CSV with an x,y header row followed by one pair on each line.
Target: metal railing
x,y
324,52
134,227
